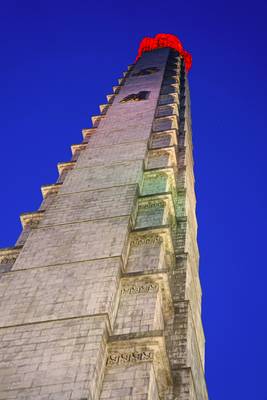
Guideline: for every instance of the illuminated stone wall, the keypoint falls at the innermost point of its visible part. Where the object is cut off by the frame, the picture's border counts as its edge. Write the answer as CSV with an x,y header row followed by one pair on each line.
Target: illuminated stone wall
x,y
100,298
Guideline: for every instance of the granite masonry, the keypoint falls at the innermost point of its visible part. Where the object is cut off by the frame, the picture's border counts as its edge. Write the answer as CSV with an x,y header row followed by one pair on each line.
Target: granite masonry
x,y
100,297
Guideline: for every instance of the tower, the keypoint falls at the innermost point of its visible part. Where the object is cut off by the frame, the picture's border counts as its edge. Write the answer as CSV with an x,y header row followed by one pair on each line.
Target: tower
x,y
100,296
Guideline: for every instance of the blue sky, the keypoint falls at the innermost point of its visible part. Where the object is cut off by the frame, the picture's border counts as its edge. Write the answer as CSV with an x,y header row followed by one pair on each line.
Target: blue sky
x,y
58,62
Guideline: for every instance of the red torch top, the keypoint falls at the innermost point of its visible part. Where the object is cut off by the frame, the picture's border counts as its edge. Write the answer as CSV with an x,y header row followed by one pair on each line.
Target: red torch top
x,y
165,40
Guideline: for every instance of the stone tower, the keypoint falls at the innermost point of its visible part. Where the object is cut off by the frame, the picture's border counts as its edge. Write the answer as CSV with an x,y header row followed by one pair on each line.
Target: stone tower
x,y
100,296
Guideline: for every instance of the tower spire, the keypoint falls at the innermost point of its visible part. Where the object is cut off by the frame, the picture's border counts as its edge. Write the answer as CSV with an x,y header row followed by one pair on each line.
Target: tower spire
x,y
162,40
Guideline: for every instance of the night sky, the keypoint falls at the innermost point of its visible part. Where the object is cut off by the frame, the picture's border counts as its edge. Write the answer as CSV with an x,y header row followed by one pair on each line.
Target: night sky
x,y
59,59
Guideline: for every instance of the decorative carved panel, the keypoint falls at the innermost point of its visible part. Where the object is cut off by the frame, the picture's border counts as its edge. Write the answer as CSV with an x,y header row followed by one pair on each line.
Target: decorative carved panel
x,y
143,95
129,357
147,239
140,288
152,204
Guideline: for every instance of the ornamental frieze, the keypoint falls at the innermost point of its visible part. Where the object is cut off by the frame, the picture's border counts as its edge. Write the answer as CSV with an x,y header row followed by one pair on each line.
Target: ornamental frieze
x,y
8,260
9,255
147,239
143,95
140,288
129,357
152,204
158,153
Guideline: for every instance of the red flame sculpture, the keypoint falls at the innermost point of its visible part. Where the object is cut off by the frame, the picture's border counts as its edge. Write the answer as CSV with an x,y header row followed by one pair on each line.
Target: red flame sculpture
x,y
165,40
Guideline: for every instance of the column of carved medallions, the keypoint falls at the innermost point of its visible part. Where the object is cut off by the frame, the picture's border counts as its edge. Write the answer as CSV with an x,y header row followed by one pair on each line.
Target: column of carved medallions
x,y
138,348
158,331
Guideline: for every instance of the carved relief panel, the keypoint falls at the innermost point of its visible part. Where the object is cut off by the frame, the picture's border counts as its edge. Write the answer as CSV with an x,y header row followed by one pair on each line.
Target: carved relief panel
x,y
143,95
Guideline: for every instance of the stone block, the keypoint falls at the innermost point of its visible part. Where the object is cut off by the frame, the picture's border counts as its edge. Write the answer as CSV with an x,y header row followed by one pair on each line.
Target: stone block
x,y
91,205
57,292
58,364
63,244
108,155
100,177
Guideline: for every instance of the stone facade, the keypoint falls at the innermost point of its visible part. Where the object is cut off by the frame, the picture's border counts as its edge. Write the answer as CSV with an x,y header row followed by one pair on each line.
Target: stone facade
x,y
100,298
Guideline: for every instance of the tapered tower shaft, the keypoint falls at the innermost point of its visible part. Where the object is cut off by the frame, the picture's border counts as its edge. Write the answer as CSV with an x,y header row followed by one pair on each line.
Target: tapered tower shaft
x,y
100,297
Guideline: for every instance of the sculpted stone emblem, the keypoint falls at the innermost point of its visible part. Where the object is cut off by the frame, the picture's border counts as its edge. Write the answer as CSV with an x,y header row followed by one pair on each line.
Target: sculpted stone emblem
x,y
143,95
129,357
152,204
146,71
141,288
8,260
147,239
